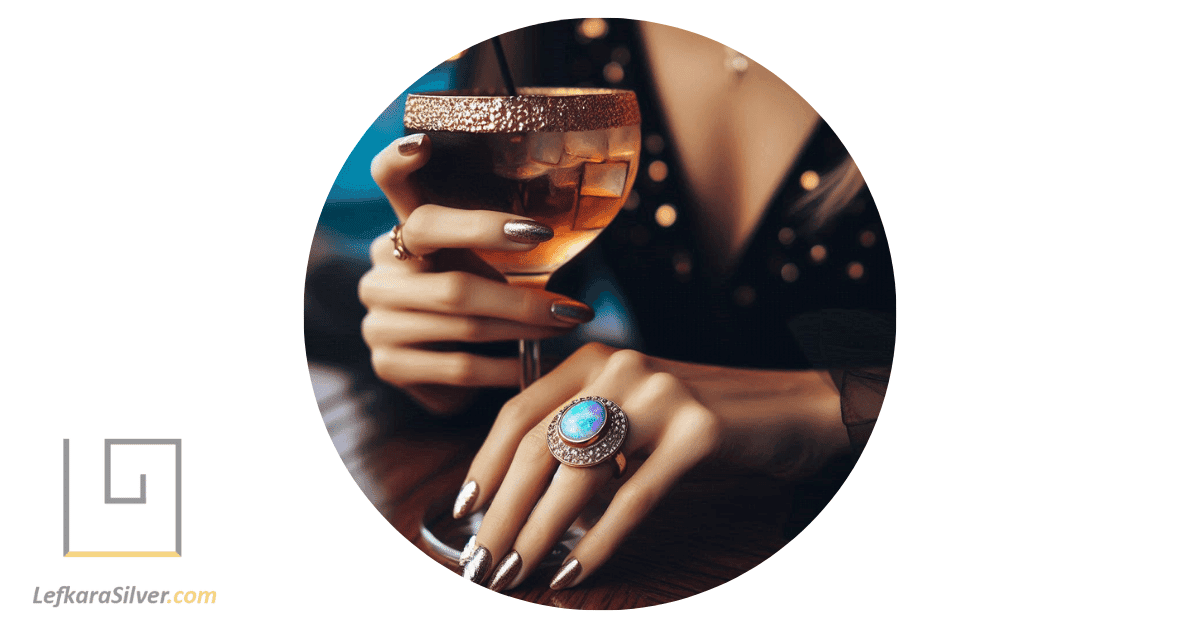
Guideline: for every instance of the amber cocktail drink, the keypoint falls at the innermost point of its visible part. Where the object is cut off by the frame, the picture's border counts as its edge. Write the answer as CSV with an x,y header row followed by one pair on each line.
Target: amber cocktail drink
x,y
565,157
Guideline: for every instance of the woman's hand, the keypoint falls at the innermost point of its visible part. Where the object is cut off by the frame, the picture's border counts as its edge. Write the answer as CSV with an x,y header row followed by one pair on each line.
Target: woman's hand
x,y
419,308
784,423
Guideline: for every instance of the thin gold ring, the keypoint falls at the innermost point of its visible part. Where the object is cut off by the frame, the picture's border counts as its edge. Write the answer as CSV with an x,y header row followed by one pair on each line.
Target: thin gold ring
x,y
398,249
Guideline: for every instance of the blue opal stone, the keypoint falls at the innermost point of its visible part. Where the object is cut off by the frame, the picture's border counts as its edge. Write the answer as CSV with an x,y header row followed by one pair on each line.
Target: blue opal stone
x,y
581,421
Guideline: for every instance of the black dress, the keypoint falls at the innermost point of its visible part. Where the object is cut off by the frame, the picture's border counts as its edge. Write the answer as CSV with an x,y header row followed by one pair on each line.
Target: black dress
x,y
801,296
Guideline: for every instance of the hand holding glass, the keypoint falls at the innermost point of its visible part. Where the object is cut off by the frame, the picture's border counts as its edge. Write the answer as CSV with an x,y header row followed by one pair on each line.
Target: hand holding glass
x,y
565,157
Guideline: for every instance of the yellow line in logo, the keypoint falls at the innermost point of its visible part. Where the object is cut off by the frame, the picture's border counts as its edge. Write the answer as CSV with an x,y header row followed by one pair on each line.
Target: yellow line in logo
x,y
122,554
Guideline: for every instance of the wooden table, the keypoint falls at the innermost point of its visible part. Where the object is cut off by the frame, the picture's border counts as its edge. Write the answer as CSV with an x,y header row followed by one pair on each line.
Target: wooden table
x,y
710,529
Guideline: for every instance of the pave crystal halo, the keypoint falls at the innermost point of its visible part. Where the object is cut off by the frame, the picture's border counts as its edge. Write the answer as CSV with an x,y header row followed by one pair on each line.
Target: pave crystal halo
x,y
587,432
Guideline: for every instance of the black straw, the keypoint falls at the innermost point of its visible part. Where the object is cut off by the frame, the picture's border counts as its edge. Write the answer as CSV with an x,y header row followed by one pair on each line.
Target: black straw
x,y
505,73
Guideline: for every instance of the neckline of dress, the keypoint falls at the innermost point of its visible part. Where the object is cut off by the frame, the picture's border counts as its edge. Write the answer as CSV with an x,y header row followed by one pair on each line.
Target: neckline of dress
x,y
698,239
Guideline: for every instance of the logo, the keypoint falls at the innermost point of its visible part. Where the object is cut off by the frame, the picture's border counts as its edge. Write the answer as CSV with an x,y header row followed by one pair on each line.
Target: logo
x,y
126,516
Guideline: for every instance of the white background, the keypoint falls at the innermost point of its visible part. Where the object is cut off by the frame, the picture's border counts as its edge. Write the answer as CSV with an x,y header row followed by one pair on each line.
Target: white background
x,y
164,167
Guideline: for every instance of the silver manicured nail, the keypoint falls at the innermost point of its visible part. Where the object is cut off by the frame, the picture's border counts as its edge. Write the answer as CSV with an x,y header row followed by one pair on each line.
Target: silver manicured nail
x,y
566,574
466,499
506,571
478,567
411,144
467,550
527,231
569,312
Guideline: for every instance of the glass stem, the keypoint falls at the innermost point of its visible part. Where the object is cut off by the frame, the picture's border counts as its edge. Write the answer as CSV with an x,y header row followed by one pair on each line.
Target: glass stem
x,y
530,354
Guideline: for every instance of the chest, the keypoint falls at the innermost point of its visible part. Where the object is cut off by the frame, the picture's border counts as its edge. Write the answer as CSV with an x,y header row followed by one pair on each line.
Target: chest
x,y
737,129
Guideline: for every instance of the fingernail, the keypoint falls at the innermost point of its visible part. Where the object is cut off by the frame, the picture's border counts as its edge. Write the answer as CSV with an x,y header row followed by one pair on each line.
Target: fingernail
x,y
465,555
527,231
466,499
566,575
506,571
411,144
570,312
477,568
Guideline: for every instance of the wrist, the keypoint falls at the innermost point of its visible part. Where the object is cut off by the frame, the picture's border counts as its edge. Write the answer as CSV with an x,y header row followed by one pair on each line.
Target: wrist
x,y
786,423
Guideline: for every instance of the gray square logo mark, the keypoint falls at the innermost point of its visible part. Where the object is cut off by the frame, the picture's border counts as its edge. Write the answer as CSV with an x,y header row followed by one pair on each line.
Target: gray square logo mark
x,y
109,499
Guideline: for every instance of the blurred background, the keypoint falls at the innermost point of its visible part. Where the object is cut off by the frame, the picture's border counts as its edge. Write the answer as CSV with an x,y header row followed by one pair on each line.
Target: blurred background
x,y
355,211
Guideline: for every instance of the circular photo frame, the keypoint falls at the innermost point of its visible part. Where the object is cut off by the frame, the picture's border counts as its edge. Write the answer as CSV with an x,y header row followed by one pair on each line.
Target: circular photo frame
x,y
706,257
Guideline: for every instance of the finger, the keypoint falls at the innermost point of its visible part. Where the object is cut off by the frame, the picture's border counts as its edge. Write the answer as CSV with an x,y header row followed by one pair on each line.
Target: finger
x,y
462,293
518,416
392,167
384,260
523,484
391,327
573,487
569,492
527,475
402,366
432,227
690,439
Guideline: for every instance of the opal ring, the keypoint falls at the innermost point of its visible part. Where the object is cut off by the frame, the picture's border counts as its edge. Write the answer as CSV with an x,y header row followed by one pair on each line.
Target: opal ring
x,y
588,432
398,249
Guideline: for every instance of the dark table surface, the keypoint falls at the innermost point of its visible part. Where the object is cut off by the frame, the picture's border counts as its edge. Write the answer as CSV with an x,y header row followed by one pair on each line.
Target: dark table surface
x,y
711,528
